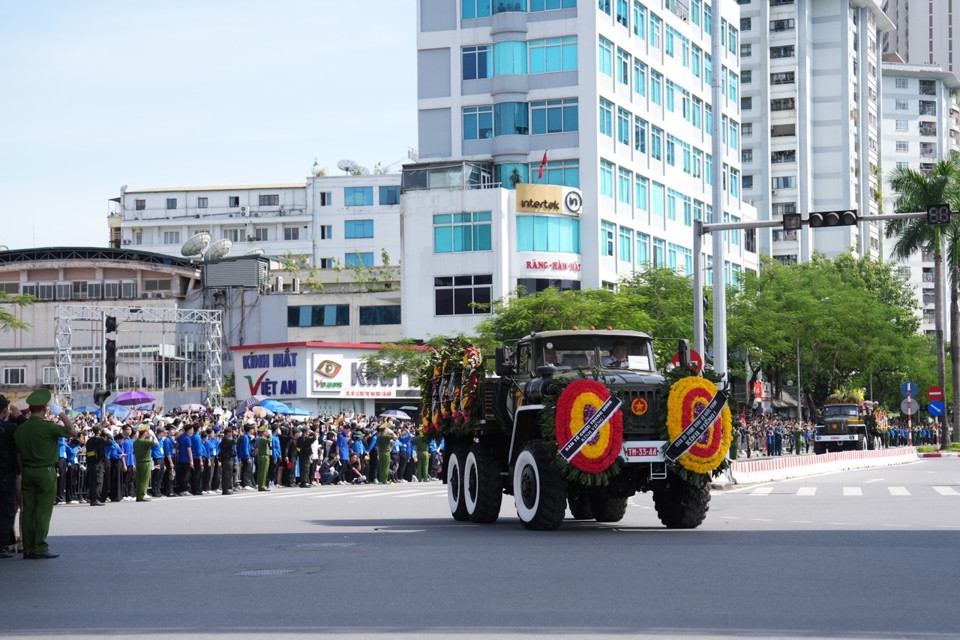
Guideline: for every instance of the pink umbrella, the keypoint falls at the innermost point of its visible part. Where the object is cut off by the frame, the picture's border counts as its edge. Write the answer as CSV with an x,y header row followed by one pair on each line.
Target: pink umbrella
x,y
133,398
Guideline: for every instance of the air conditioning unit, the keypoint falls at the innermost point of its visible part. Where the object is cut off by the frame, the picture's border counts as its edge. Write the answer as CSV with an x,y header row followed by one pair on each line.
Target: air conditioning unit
x,y
296,285
126,241
243,211
278,284
256,214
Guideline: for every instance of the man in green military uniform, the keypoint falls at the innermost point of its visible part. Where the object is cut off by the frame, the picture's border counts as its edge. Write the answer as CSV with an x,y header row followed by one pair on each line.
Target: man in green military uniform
x,y
422,445
385,439
264,445
142,448
38,448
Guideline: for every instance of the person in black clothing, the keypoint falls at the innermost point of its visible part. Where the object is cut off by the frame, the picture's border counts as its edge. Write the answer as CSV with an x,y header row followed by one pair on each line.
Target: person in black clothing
x,y
305,453
96,458
228,453
10,419
288,457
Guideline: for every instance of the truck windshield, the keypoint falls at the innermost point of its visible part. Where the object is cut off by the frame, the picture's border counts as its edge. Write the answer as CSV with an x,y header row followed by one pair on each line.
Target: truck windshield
x,y
588,353
840,410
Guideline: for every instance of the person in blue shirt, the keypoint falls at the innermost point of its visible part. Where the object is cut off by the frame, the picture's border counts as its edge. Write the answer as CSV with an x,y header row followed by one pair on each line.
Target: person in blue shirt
x,y
129,478
112,479
156,459
185,462
276,472
196,442
245,455
343,442
71,488
403,453
213,456
169,463
61,471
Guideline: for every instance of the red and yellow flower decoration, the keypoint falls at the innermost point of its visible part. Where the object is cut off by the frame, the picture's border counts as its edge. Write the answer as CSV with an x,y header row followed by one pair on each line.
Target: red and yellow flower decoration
x,y
688,396
576,404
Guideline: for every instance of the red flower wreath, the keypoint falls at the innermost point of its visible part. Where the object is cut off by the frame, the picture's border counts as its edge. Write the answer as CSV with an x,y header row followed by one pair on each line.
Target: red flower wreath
x,y
578,402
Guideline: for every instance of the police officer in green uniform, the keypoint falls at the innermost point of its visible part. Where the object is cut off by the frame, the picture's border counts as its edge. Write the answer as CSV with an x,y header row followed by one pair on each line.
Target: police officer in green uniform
x,y
142,454
38,450
423,456
264,446
385,439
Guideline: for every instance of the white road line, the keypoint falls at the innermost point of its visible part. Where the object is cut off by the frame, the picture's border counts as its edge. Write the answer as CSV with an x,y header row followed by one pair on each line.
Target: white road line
x,y
946,491
807,491
898,491
852,491
761,491
413,494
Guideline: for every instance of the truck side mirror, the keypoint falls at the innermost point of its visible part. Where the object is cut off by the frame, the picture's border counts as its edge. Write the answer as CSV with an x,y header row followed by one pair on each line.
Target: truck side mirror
x,y
503,365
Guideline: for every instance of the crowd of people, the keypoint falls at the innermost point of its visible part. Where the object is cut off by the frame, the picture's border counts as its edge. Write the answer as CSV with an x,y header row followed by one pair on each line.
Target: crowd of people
x,y
153,455
769,435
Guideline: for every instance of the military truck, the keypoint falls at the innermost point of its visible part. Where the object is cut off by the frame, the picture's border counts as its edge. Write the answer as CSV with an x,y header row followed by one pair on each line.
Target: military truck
x,y
503,449
846,427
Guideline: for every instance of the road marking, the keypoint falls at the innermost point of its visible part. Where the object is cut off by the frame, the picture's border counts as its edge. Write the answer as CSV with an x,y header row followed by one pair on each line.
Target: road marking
x,y
807,491
946,491
898,491
874,480
761,491
852,491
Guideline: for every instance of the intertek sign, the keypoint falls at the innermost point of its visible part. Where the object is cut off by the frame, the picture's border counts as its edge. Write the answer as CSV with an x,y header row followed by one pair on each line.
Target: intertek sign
x,y
546,198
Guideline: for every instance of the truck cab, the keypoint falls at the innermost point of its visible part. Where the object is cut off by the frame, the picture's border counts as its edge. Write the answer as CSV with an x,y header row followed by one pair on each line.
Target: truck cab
x,y
844,428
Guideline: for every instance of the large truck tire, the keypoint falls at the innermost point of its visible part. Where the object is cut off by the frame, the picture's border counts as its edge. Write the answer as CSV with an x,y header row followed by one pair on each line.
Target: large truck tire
x,y
579,502
482,486
539,491
607,509
681,505
819,447
455,493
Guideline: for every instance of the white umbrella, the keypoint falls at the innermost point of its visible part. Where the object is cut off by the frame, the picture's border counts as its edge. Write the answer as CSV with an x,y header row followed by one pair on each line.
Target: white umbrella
x,y
396,413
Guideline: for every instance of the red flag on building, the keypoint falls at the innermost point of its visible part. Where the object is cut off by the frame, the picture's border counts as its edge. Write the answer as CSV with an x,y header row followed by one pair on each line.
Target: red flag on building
x,y
543,165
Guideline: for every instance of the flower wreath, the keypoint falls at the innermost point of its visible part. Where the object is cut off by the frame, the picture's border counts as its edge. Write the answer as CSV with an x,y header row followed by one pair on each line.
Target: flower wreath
x,y
563,416
687,398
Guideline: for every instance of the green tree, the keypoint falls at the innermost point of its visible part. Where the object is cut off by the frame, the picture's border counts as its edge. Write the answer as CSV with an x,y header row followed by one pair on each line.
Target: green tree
x,y
8,317
916,192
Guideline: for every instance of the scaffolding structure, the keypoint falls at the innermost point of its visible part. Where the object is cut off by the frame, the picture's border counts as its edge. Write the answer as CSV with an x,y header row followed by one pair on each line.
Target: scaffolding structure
x,y
166,348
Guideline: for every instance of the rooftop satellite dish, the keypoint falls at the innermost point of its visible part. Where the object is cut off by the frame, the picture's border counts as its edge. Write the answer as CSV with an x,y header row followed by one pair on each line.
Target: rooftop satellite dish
x,y
4,247
218,249
255,252
195,245
363,171
347,165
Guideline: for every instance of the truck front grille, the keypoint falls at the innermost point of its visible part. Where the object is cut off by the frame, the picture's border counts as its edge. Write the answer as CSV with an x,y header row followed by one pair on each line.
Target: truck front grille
x,y
645,401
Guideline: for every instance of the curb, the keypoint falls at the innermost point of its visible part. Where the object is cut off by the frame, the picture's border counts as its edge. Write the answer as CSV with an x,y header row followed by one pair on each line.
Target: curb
x,y
939,454
783,468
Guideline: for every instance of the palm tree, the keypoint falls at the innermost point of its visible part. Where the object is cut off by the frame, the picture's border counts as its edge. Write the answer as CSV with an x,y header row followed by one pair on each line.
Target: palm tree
x,y
916,192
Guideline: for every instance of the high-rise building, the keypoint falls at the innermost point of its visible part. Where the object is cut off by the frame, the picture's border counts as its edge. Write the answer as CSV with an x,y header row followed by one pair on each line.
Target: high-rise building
x,y
924,32
564,143
810,108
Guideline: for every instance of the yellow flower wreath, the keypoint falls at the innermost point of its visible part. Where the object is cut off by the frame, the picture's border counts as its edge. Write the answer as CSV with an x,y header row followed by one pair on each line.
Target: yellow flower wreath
x,y
685,395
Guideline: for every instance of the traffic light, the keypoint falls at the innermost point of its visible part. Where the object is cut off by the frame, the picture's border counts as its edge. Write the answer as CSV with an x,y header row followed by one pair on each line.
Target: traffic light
x,y
110,324
100,396
938,214
833,218
110,360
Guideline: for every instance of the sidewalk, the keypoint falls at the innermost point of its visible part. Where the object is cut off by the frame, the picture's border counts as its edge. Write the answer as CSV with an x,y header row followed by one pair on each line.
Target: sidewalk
x,y
769,469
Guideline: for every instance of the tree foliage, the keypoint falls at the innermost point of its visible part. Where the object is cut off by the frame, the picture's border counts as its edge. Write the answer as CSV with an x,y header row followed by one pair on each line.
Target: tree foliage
x,y
8,316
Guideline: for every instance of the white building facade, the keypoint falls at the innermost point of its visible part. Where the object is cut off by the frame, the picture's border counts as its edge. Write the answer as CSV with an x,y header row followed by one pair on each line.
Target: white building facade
x,y
566,144
924,32
921,124
811,119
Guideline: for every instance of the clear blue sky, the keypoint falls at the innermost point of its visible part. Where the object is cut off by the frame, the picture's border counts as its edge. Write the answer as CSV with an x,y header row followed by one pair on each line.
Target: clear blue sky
x,y
165,93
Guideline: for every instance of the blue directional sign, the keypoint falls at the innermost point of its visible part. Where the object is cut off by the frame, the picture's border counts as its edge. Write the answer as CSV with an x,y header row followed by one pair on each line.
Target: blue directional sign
x,y
908,389
935,408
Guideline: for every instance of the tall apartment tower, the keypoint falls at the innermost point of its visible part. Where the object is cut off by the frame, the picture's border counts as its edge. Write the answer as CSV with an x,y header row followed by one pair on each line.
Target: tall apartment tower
x,y
924,32
606,102
810,109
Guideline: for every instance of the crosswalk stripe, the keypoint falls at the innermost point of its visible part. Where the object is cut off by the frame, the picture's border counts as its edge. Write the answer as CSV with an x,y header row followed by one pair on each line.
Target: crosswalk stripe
x,y
898,491
852,491
946,491
807,491
761,491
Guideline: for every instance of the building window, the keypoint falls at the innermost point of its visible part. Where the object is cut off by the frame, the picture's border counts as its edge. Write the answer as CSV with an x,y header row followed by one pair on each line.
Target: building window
x,y
554,116
91,375
783,77
783,104
624,119
626,245
478,122
462,232
233,235
171,203
171,237
358,259
606,117
202,202
784,182
548,233
785,51
624,185
553,54
475,8
291,233
460,295
903,146
656,143
605,56
656,87
746,77
746,156
233,201
49,376
140,204
477,62
358,196
746,103
379,315
390,194
326,231
325,198
261,234
606,178
319,315
604,5
551,5
641,188
789,155
623,66
269,200
353,229
607,235
562,172
511,119
901,83
157,285
14,376
786,24
900,105
902,125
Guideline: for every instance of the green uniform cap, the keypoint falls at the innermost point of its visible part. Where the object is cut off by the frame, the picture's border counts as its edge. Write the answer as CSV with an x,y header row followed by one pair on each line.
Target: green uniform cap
x,y
39,398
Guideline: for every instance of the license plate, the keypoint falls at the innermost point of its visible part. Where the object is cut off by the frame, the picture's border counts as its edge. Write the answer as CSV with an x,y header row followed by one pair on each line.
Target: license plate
x,y
642,451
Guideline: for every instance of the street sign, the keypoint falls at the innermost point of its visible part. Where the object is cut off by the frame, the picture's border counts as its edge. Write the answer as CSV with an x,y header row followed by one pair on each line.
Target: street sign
x,y
934,393
908,389
909,406
935,408
695,359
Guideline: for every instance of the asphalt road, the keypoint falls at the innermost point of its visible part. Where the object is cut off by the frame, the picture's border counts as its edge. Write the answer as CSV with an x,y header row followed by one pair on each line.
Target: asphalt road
x,y
861,554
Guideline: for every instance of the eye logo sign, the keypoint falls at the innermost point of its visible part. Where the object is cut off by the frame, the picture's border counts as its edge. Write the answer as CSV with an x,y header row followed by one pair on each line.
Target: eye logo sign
x,y
328,369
